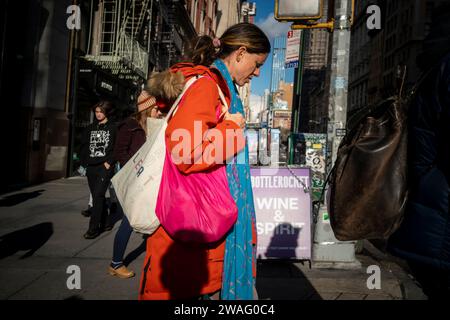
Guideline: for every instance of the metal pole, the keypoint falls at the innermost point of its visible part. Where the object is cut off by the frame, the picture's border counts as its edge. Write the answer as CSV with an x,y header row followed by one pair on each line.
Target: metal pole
x,y
327,250
337,108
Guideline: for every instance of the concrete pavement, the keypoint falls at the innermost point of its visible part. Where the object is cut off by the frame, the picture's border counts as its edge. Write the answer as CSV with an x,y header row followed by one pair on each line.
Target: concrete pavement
x,y
41,232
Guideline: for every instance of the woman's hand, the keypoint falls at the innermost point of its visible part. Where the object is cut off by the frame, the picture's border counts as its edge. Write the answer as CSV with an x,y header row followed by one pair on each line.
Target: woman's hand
x,y
236,118
107,166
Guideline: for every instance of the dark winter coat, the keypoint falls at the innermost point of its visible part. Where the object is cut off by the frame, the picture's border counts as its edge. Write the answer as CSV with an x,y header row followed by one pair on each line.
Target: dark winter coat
x,y
424,235
130,137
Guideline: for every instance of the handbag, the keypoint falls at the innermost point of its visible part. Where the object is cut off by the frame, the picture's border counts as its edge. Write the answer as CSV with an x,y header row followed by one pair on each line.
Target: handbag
x,y
137,183
195,207
369,180
368,184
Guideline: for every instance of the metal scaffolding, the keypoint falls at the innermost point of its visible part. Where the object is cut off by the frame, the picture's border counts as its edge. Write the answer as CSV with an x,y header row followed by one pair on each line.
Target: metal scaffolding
x,y
116,31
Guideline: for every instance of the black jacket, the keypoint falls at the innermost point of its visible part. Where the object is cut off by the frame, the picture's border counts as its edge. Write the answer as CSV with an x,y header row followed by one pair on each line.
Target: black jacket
x,y
424,235
130,137
98,144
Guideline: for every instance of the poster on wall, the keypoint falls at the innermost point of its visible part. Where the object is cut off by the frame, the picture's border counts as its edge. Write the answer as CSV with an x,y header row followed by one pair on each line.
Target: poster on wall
x,y
310,151
283,212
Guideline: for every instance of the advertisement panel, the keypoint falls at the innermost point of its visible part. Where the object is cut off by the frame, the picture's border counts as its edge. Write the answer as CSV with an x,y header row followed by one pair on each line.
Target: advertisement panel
x,y
309,149
283,212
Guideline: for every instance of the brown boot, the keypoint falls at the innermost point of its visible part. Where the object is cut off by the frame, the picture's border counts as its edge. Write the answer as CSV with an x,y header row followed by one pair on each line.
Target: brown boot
x,y
121,272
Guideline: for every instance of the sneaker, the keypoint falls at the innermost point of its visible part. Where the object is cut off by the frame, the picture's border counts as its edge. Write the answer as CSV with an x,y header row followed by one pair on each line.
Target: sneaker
x,y
91,234
121,272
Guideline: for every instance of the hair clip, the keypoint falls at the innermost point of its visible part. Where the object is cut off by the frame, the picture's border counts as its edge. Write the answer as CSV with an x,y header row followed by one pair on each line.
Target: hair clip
x,y
216,42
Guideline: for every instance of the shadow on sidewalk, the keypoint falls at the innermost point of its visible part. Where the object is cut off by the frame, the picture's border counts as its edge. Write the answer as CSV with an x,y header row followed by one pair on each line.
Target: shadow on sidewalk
x,y
278,278
74,297
15,199
133,255
282,280
28,239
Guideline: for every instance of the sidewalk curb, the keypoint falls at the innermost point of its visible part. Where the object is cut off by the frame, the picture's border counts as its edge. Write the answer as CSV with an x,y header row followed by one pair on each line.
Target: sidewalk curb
x,y
409,287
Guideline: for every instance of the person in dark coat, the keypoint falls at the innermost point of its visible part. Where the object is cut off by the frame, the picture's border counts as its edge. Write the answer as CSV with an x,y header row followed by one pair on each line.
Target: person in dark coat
x,y
423,238
131,136
97,156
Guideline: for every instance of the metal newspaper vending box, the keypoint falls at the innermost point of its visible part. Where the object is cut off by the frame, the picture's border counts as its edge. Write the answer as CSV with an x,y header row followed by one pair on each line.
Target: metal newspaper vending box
x,y
283,212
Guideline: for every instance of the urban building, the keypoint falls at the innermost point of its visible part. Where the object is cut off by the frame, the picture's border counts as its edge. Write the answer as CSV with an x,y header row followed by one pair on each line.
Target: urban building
x,y
359,70
278,57
282,98
314,94
34,42
204,14
379,58
123,41
61,57
229,13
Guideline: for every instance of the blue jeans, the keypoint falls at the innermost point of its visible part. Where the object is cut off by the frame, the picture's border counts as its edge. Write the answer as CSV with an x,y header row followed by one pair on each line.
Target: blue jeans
x,y
121,239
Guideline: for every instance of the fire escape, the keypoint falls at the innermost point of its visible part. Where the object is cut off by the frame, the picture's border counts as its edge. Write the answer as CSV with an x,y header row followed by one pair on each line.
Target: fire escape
x,y
116,31
168,42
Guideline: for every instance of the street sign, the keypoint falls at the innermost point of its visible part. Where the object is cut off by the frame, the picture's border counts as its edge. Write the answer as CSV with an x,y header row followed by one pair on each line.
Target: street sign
x,y
292,49
293,64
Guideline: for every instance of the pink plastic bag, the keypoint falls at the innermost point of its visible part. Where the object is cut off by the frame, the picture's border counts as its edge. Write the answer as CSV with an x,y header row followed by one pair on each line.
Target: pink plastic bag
x,y
196,207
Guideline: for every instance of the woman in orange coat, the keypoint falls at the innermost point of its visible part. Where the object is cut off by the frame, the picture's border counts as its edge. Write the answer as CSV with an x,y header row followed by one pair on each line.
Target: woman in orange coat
x,y
177,270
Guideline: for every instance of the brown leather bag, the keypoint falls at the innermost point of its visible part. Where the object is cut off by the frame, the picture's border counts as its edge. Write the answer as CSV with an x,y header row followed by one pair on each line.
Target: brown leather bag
x,y
368,184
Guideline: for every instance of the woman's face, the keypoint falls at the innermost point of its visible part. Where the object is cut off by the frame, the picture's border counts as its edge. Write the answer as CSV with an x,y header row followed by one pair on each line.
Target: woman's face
x,y
99,115
247,65
155,113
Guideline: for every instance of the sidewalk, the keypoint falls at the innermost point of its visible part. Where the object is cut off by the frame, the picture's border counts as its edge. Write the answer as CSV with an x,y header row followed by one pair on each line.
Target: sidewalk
x,y
41,232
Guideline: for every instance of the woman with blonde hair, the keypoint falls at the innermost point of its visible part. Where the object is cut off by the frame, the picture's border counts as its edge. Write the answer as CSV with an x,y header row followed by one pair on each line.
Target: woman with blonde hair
x,y
174,269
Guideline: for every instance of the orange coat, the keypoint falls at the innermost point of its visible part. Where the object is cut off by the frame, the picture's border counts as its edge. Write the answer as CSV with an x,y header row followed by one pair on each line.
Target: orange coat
x,y
172,269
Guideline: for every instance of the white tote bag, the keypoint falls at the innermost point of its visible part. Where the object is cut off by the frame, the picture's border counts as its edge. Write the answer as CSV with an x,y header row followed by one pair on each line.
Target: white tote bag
x,y
137,183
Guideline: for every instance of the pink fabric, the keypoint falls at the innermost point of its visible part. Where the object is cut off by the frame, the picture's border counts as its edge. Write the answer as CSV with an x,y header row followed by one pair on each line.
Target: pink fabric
x,y
197,207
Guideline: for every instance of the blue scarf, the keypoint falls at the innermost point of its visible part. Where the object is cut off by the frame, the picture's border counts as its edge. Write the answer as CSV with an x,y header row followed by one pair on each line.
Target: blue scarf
x,y
240,254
